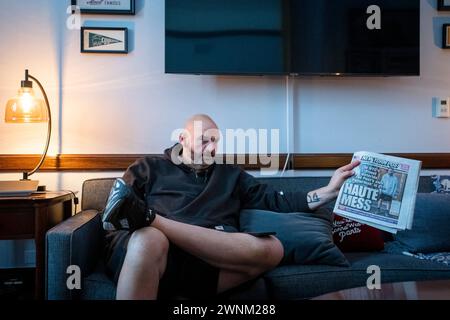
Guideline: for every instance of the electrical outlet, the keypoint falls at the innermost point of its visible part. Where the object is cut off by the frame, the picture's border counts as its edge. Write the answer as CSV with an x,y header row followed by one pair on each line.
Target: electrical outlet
x,y
441,108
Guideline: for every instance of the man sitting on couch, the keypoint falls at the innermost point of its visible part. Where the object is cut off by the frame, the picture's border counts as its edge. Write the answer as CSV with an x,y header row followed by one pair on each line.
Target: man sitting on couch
x,y
191,247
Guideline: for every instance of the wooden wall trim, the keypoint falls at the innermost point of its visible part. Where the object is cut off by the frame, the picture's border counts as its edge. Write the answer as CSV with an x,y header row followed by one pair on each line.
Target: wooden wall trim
x,y
98,162
68,162
119,162
335,160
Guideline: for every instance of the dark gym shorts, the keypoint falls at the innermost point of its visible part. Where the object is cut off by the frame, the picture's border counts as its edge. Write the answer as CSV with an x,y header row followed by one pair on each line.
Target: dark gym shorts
x,y
186,276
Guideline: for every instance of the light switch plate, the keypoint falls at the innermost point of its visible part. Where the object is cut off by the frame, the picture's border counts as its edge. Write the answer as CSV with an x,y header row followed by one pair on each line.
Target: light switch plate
x,y
441,108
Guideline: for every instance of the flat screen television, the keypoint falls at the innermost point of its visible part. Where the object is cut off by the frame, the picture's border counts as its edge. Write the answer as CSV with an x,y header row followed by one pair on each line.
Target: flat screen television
x,y
293,37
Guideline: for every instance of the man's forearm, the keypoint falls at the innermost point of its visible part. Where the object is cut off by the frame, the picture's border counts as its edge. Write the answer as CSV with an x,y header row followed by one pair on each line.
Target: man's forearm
x,y
320,197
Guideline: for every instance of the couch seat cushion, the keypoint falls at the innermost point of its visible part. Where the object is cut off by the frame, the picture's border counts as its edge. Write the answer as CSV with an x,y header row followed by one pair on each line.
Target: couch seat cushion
x,y
307,281
97,286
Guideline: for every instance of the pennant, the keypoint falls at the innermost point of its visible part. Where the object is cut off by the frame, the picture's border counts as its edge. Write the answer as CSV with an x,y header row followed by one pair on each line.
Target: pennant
x,y
97,40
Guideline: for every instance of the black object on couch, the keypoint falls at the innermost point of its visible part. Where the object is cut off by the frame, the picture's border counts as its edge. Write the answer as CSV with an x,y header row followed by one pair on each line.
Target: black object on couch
x,y
79,241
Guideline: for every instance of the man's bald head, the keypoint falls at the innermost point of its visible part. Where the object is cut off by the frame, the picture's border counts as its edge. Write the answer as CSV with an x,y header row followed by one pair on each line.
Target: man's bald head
x,y
199,139
206,121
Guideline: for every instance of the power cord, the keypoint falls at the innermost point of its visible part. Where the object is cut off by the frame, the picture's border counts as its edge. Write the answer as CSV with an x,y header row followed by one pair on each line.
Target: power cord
x,y
75,199
286,164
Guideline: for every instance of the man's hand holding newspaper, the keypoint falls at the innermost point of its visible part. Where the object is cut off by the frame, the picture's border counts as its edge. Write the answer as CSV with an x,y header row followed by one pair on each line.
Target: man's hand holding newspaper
x,y
322,196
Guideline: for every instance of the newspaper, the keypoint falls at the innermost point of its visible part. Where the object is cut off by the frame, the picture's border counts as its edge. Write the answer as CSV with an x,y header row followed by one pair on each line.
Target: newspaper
x,y
382,193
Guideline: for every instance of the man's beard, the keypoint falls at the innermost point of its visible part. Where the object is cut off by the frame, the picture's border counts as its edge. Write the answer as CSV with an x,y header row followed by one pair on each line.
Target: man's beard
x,y
206,160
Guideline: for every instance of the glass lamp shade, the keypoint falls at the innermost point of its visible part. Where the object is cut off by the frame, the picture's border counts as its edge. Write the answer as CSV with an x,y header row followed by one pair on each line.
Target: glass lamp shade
x,y
26,108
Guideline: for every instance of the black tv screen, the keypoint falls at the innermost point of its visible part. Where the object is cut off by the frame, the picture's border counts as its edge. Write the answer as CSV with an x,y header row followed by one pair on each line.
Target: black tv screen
x,y
299,37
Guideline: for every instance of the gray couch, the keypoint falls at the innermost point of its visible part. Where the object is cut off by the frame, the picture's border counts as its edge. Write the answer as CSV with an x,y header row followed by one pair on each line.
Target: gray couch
x,y
80,239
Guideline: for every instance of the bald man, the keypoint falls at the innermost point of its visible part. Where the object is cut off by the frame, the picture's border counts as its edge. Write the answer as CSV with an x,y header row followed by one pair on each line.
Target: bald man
x,y
191,246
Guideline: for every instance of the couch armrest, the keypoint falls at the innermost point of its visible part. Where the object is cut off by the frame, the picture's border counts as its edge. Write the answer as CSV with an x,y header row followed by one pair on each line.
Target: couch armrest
x,y
76,241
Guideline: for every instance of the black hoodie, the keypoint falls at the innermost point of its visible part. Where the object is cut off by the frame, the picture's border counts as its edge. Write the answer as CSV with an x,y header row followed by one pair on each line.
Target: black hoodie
x,y
209,198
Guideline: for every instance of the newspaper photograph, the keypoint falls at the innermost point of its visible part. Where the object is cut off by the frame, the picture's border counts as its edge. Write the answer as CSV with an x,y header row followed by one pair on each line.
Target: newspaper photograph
x,y
381,193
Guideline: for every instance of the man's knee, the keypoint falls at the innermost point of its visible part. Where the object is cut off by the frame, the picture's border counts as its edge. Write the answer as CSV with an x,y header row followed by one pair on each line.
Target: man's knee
x,y
149,243
268,256
273,252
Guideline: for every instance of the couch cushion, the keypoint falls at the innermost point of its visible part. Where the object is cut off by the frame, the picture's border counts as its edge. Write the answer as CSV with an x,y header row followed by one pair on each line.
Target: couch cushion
x,y
440,257
352,236
431,227
95,193
306,237
97,286
301,282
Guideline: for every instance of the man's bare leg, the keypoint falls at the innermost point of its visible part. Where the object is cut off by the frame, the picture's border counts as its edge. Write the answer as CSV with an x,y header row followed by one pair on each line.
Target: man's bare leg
x,y
238,254
229,279
144,265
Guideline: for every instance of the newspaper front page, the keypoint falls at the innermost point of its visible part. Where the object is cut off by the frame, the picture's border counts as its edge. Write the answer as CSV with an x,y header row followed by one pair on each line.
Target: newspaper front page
x,y
382,192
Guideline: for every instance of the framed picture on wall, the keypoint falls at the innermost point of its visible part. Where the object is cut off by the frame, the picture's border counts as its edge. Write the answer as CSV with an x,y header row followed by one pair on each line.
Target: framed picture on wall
x,y
105,6
446,36
444,5
104,40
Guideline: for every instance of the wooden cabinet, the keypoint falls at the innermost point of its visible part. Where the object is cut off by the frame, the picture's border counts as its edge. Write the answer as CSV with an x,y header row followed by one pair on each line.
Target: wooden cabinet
x,y
30,218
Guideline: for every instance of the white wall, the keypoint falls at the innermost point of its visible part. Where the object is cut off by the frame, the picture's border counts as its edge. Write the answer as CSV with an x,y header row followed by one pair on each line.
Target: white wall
x,y
126,104
29,39
380,114
130,106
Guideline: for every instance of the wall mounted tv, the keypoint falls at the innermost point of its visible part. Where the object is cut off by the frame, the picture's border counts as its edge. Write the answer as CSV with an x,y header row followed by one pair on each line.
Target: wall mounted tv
x,y
293,37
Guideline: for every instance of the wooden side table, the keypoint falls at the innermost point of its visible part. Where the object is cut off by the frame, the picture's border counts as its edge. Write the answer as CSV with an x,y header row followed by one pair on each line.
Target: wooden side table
x,y
30,218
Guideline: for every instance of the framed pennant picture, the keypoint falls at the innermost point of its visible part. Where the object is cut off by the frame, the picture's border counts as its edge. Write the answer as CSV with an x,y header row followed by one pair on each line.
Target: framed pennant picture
x,y
446,36
104,40
105,6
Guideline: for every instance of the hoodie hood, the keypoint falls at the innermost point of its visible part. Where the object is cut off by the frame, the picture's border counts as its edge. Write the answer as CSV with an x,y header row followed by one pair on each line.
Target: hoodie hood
x,y
177,147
